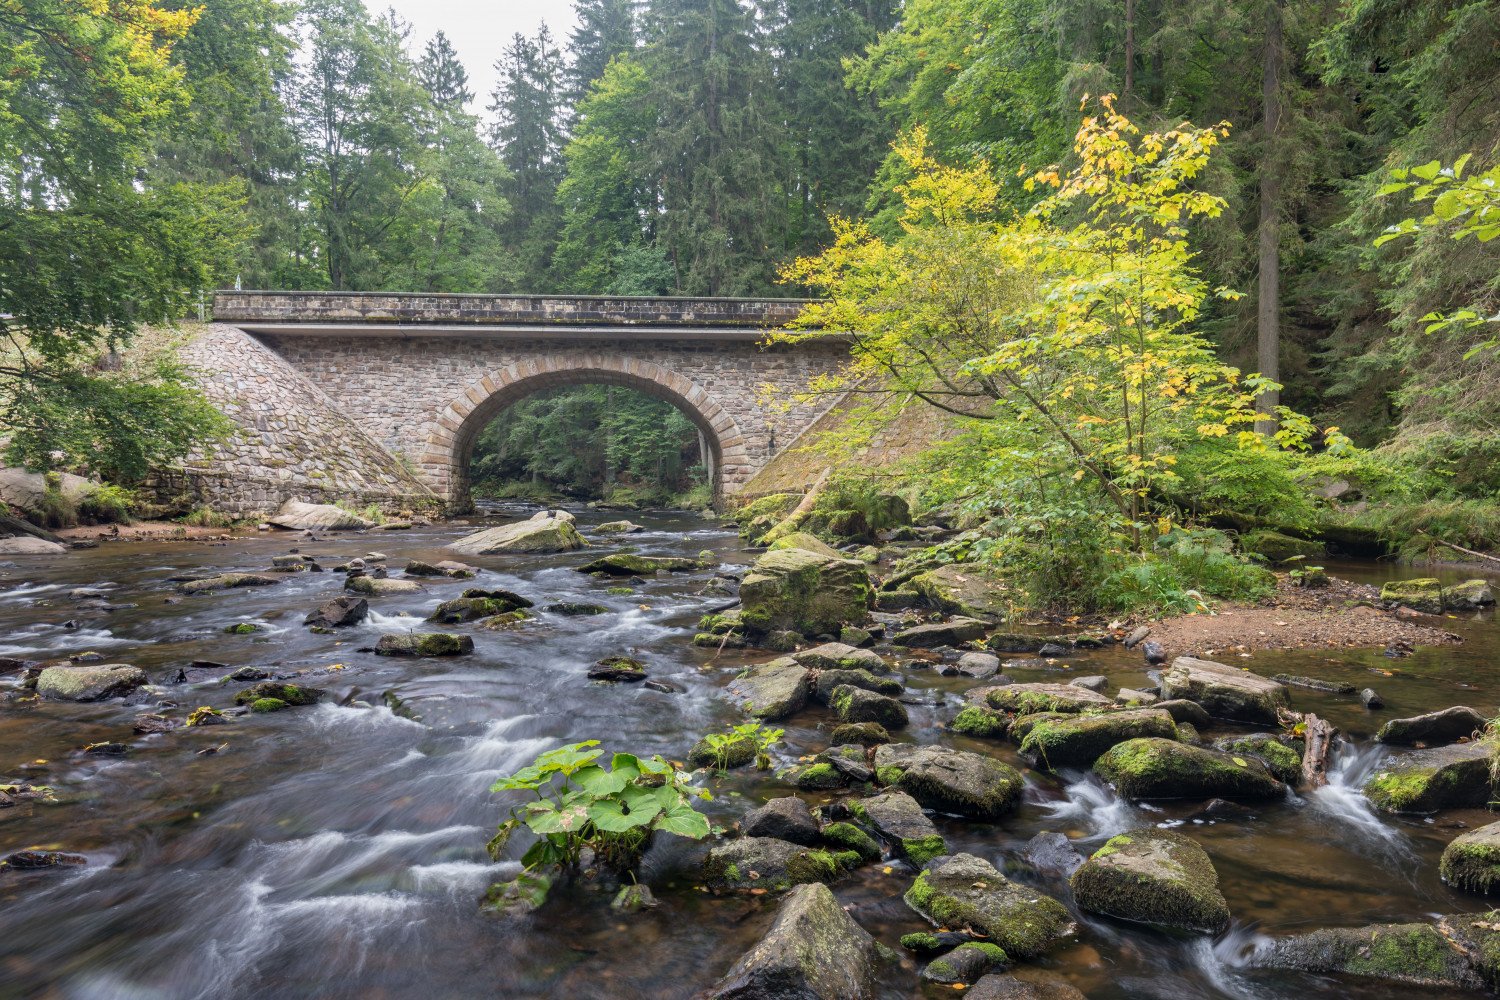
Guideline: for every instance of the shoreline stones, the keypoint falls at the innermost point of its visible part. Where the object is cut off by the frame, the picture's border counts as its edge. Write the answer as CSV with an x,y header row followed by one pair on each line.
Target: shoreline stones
x,y
1153,876
950,633
1225,692
966,891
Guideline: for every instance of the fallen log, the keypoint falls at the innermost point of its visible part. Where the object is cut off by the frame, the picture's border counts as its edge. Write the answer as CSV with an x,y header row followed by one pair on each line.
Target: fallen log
x,y
800,513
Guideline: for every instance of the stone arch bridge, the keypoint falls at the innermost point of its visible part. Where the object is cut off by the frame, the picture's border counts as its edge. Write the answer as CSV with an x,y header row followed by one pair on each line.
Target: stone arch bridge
x,y
378,398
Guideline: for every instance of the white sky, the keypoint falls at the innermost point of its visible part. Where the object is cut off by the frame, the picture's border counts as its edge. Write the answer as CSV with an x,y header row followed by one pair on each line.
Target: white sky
x,y
480,30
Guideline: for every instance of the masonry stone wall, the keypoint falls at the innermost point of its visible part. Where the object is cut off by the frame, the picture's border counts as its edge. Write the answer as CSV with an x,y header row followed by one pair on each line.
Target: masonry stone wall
x,y
424,399
291,440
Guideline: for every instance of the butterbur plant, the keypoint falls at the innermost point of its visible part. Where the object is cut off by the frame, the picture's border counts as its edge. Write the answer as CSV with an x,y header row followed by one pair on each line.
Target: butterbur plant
x,y
761,738
612,811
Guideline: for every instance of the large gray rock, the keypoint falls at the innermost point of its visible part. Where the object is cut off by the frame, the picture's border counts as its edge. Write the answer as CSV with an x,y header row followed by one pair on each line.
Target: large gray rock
x,y
26,545
1027,699
1225,692
766,863
804,592
966,891
26,490
787,818
1432,728
1156,877
1034,986
1154,768
841,656
898,818
814,951
1420,954
89,682
953,781
1423,781
372,586
1080,740
548,531
949,633
341,612
855,704
228,581
772,690
295,515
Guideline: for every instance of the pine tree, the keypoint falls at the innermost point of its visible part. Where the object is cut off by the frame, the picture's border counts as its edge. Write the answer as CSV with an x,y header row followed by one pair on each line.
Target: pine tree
x,y
444,76
605,29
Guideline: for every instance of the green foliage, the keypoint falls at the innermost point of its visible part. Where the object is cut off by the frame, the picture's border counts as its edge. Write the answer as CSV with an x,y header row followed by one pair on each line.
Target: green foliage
x,y
720,746
106,504
612,810
205,517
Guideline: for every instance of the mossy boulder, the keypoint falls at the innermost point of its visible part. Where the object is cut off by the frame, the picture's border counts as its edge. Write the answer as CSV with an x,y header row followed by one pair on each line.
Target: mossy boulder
x,y
952,781
966,964
291,694
1433,728
263,705
228,581
1155,877
615,669
841,656
1418,954
505,621
773,505
88,681
1476,937
851,760
1471,861
371,586
772,690
1424,594
953,632
618,528
1078,741
828,680
963,589
869,734
1424,781
547,531
900,822
848,837
1468,595
813,951
855,704
966,891
819,776
1225,692
1280,756
468,609
1279,548
766,863
731,753
1154,768
805,592
977,720
629,564
424,644
1026,699
808,543
448,568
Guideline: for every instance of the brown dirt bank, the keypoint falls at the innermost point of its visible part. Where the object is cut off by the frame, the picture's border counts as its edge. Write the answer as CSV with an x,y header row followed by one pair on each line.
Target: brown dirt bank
x,y
1343,614
142,531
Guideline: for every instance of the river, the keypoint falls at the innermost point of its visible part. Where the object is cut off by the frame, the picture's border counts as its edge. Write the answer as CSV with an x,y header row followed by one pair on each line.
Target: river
x,y
338,850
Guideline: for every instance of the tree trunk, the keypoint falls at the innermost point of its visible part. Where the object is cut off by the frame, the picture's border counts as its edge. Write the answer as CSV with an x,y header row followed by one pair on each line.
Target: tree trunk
x,y
1268,304
1129,47
1318,738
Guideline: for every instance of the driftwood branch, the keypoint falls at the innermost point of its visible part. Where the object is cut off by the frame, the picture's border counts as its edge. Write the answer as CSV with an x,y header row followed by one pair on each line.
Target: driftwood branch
x,y
1318,736
1460,548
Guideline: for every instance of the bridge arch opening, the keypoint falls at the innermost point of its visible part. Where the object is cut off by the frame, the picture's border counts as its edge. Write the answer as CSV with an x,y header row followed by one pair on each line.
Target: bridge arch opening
x,y
451,444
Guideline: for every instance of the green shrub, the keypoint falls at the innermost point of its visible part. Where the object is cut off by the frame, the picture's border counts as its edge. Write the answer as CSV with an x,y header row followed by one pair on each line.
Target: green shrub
x,y
206,517
106,504
54,508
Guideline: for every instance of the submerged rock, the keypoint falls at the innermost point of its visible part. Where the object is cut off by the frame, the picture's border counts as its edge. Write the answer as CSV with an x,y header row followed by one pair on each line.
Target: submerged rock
x,y
950,633
953,781
295,515
1456,723
1419,954
629,564
899,820
1153,768
1424,781
814,951
424,644
966,891
1471,861
227,581
89,682
36,860
805,592
964,965
772,690
341,612
376,587
617,668
1079,741
1156,877
1030,698
1225,692
766,863
1033,987
547,531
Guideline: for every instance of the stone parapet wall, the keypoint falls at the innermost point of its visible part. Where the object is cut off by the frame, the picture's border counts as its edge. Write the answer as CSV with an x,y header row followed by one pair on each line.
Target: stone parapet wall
x,y
291,441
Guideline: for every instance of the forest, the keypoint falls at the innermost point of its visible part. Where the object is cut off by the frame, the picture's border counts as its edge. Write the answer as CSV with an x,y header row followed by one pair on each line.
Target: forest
x,y
705,147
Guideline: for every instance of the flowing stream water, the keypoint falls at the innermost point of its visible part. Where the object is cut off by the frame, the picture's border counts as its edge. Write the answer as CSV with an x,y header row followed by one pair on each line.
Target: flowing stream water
x,y
338,850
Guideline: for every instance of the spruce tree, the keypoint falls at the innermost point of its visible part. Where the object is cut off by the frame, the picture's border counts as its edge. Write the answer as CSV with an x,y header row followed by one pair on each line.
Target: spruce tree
x,y
605,29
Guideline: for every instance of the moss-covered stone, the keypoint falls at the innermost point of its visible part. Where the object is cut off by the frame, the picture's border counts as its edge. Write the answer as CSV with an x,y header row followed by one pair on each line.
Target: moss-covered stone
x,y
1154,768
841,656
766,863
630,564
964,965
1225,692
1424,594
954,632
899,820
1468,595
1419,954
724,753
1424,781
805,592
544,532
854,704
1280,757
818,777
228,581
868,734
508,620
1078,741
468,609
848,837
808,543
977,720
1433,728
720,622
710,640
1280,548
772,690
965,589
772,507
268,705
1022,725
241,628
88,681
1025,699
953,781
424,644
1471,861
205,715
291,694
1156,877
828,681
966,891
